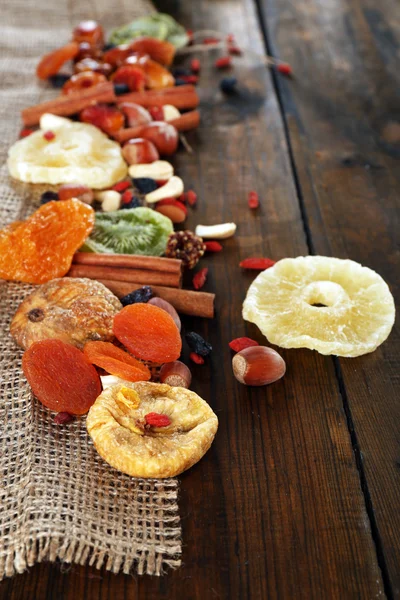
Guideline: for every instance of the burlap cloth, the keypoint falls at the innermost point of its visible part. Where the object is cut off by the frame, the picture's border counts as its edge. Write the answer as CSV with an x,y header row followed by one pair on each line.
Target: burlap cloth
x,y
59,499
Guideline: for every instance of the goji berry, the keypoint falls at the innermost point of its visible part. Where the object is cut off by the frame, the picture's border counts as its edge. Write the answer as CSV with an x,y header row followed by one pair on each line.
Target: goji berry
x,y
241,343
252,200
223,62
121,186
196,358
156,112
191,197
25,132
49,135
195,65
235,50
193,79
189,33
126,197
200,278
230,38
157,420
285,69
210,40
259,264
213,246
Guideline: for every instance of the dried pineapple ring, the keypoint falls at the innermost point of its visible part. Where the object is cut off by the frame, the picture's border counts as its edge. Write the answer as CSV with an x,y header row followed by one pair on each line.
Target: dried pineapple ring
x,y
356,316
78,152
121,438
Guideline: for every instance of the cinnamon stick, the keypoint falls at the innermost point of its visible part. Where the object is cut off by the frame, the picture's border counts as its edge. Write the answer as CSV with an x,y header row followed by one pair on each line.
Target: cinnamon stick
x,y
140,276
187,121
187,302
182,97
123,135
70,104
132,261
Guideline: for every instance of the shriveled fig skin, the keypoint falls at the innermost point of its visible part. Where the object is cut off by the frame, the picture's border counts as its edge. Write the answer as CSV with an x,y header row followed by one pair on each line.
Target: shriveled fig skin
x,y
73,310
61,377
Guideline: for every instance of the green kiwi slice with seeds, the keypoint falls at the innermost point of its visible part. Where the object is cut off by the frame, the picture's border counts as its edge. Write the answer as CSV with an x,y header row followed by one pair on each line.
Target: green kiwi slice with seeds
x,y
130,231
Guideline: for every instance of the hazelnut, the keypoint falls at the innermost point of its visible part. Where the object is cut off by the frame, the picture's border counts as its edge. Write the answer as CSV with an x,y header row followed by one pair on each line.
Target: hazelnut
x,y
168,308
176,374
258,365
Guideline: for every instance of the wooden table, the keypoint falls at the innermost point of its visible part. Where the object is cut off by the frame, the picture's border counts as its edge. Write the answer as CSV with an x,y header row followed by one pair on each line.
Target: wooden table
x,y
299,495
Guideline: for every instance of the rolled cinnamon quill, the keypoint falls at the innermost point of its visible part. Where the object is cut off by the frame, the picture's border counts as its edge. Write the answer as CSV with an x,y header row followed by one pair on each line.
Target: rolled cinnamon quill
x,y
138,276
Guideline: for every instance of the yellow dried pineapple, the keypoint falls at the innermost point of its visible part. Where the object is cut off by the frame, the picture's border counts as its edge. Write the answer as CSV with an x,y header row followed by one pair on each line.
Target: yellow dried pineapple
x,y
356,316
78,152
117,424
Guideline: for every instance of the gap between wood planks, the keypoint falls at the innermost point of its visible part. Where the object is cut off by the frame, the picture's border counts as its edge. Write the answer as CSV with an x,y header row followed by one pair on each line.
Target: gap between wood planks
x,y
337,367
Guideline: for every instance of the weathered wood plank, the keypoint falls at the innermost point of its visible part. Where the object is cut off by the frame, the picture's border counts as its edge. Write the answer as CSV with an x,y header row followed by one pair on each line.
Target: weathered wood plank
x,y
275,509
344,127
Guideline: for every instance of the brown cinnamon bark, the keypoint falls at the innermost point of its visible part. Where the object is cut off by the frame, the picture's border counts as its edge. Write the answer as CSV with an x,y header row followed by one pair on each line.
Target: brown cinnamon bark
x,y
70,104
187,302
182,97
139,276
187,121
132,261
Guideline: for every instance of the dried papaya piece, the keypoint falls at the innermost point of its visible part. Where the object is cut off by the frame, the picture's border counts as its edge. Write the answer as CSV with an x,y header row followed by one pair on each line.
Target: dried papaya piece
x,y
148,332
116,361
51,63
61,377
41,248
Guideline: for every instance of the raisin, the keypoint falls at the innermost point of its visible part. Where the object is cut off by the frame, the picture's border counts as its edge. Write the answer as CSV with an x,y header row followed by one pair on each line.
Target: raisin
x,y
228,85
121,88
61,377
198,344
116,361
48,197
59,80
143,295
134,203
148,332
145,185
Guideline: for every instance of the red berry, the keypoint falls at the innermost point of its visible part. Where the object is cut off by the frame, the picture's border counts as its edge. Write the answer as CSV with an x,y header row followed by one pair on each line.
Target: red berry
x,y
235,50
189,33
200,278
49,135
252,200
193,79
126,196
213,246
195,65
157,420
191,197
196,358
121,186
230,38
25,132
209,41
241,343
223,62
285,69
157,113
259,264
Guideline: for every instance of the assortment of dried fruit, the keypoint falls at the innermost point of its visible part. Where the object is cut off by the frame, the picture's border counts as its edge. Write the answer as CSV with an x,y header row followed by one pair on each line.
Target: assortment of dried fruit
x,y
86,350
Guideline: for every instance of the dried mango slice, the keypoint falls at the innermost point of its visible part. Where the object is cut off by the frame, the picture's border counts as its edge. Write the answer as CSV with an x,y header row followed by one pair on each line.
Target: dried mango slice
x,y
41,248
77,152
326,304
124,440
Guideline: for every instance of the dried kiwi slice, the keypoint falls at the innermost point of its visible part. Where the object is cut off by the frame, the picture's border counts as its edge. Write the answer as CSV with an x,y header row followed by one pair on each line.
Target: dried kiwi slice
x,y
131,231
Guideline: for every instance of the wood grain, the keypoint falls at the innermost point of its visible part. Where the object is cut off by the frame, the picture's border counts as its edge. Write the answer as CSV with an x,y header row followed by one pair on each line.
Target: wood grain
x,y
344,128
275,509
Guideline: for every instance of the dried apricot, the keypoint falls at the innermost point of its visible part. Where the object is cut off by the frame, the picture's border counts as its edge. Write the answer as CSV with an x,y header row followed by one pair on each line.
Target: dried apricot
x,y
116,361
51,63
41,248
61,376
149,332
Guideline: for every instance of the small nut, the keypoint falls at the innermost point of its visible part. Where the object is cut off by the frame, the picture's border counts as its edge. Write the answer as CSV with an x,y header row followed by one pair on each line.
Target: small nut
x,y
176,374
258,365
168,308
160,170
170,112
216,232
172,189
110,200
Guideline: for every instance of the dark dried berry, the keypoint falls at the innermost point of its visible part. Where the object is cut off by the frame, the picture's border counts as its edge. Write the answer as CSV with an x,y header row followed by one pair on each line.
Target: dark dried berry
x,y
59,80
143,294
198,344
108,46
145,185
121,88
228,85
48,197
134,203
180,82
62,418
179,71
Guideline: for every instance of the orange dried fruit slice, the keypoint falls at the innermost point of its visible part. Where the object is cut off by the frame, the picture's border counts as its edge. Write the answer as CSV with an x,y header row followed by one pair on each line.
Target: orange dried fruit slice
x,y
41,248
61,377
148,332
116,361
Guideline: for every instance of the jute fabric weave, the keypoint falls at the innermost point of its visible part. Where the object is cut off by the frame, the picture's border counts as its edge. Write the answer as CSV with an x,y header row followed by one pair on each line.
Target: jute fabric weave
x,y
59,499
